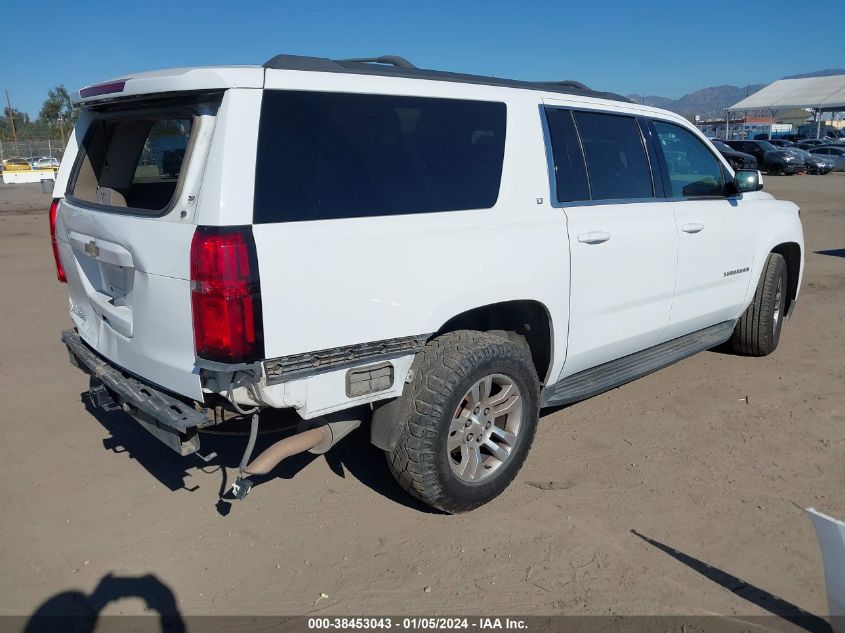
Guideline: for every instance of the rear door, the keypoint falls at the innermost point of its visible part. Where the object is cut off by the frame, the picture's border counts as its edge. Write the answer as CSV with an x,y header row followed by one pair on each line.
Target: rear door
x,y
622,239
715,235
124,231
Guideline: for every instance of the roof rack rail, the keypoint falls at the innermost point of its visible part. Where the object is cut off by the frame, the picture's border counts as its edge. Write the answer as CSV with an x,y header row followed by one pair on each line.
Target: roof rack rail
x,y
393,60
395,66
566,83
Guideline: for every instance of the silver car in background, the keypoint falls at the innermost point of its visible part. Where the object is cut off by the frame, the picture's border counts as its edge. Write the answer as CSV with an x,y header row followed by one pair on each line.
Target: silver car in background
x,y
834,153
815,163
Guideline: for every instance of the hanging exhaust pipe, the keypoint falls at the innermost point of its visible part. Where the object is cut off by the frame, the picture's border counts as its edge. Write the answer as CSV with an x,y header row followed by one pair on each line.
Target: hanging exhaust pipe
x,y
317,440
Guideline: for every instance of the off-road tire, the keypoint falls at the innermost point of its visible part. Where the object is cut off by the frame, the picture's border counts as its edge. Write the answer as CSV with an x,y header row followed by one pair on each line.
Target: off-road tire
x,y
441,374
756,332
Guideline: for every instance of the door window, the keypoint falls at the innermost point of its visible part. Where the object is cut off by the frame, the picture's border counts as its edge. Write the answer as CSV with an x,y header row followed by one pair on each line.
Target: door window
x,y
694,171
569,170
616,158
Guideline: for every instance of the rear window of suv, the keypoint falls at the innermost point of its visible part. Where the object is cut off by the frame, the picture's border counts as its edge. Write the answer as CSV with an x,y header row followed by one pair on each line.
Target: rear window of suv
x,y
339,155
133,161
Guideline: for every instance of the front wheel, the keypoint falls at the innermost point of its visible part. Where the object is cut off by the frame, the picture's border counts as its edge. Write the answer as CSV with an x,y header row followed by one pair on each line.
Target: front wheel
x,y
467,421
757,332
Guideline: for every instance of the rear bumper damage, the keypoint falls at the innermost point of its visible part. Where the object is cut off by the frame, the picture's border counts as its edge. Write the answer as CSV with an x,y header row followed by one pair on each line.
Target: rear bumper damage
x,y
167,418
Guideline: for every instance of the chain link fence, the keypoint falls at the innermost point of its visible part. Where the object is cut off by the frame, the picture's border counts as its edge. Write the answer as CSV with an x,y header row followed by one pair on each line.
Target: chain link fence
x,y
26,148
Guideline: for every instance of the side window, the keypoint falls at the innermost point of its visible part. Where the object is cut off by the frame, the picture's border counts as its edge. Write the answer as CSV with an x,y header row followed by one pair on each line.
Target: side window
x,y
693,169
328,155
616,159
570,172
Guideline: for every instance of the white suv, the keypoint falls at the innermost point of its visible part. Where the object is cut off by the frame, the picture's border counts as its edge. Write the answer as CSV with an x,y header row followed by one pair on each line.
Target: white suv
x,y
435,255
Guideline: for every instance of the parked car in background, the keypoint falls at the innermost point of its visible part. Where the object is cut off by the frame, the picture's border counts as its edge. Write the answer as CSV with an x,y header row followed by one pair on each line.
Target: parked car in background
x,y
737,160
16,164
47,162
834,153
816,164
781,142
807,143
770,158
814,130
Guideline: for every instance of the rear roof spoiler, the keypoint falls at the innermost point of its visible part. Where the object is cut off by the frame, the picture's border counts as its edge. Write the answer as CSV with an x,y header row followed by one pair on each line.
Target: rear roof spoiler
x,y
171,81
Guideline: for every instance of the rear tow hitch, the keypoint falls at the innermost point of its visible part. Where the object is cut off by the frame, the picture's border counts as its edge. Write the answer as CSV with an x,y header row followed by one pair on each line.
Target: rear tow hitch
x,y
100,396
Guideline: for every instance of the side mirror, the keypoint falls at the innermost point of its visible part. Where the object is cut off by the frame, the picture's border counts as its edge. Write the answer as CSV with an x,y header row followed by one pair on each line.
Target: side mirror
x,y
747,180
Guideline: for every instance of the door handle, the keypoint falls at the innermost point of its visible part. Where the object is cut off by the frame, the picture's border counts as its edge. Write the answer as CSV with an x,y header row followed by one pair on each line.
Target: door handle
x,y
692,227
594,237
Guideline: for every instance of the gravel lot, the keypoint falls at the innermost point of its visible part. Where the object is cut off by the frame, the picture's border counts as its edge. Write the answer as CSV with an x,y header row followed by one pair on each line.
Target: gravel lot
x,y
711,461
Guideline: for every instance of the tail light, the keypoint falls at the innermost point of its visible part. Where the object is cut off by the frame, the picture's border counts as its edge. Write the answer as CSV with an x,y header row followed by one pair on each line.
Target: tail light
x,y
226,295
60,270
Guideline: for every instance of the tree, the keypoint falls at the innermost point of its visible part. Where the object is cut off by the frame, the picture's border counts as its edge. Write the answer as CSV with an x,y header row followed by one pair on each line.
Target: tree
x,y
58,105
58,111
22,123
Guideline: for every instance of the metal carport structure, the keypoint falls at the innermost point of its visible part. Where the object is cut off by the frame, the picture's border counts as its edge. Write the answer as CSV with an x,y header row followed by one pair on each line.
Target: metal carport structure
x,y
821,94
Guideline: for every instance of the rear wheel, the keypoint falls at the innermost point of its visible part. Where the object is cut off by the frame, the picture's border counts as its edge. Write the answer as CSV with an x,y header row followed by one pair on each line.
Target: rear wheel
x,y
773,170
468,420
757,332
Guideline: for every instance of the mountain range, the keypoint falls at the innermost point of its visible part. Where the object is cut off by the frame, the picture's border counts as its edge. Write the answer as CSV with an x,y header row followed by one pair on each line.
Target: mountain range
x,y
713,101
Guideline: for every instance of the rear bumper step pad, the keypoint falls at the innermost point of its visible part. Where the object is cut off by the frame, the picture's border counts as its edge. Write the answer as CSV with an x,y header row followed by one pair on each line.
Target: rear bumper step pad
x,y
163,415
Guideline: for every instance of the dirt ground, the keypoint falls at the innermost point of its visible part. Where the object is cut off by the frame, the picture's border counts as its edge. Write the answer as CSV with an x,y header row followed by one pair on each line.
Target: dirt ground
x,y
680,493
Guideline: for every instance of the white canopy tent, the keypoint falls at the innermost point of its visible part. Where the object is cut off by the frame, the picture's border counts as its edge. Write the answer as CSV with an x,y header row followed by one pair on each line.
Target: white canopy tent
x,y
821,94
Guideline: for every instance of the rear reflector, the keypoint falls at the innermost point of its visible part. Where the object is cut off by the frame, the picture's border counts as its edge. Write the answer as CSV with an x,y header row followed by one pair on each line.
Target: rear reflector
x,y
60,270
226,295
102,89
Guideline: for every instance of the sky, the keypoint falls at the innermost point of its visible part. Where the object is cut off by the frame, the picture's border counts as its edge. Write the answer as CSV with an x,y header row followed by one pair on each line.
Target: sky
x,y
663,47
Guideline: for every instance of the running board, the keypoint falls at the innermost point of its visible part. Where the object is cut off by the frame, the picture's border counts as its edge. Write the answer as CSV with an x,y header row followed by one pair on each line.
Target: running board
x,y
591,382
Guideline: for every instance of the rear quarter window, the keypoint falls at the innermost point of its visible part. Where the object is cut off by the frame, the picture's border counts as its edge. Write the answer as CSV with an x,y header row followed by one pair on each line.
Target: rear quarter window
x,y
338,155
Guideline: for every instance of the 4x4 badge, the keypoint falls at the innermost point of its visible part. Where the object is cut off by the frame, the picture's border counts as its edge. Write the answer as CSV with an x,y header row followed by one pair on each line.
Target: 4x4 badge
x,y
91,249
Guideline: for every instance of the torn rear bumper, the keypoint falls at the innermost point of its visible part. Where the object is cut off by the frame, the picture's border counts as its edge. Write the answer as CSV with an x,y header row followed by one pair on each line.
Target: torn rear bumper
x,y
169,419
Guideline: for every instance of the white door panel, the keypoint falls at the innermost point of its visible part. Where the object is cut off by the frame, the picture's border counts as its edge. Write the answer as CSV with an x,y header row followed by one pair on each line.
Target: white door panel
x,y
715,245
623,277
715,253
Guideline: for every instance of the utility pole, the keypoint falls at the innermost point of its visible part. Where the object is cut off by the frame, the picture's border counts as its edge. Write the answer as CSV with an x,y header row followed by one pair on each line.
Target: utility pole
x,y
12,121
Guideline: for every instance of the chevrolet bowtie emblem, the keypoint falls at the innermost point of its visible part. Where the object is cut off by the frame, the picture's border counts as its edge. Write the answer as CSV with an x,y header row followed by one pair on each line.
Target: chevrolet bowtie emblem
x,y
91,249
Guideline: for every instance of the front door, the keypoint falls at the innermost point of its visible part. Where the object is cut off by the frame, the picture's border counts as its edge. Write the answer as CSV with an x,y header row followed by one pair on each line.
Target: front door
x,y
715,245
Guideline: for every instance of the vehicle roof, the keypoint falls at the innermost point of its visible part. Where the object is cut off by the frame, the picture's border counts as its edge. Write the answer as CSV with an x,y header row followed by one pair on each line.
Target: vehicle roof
x,y
218,78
